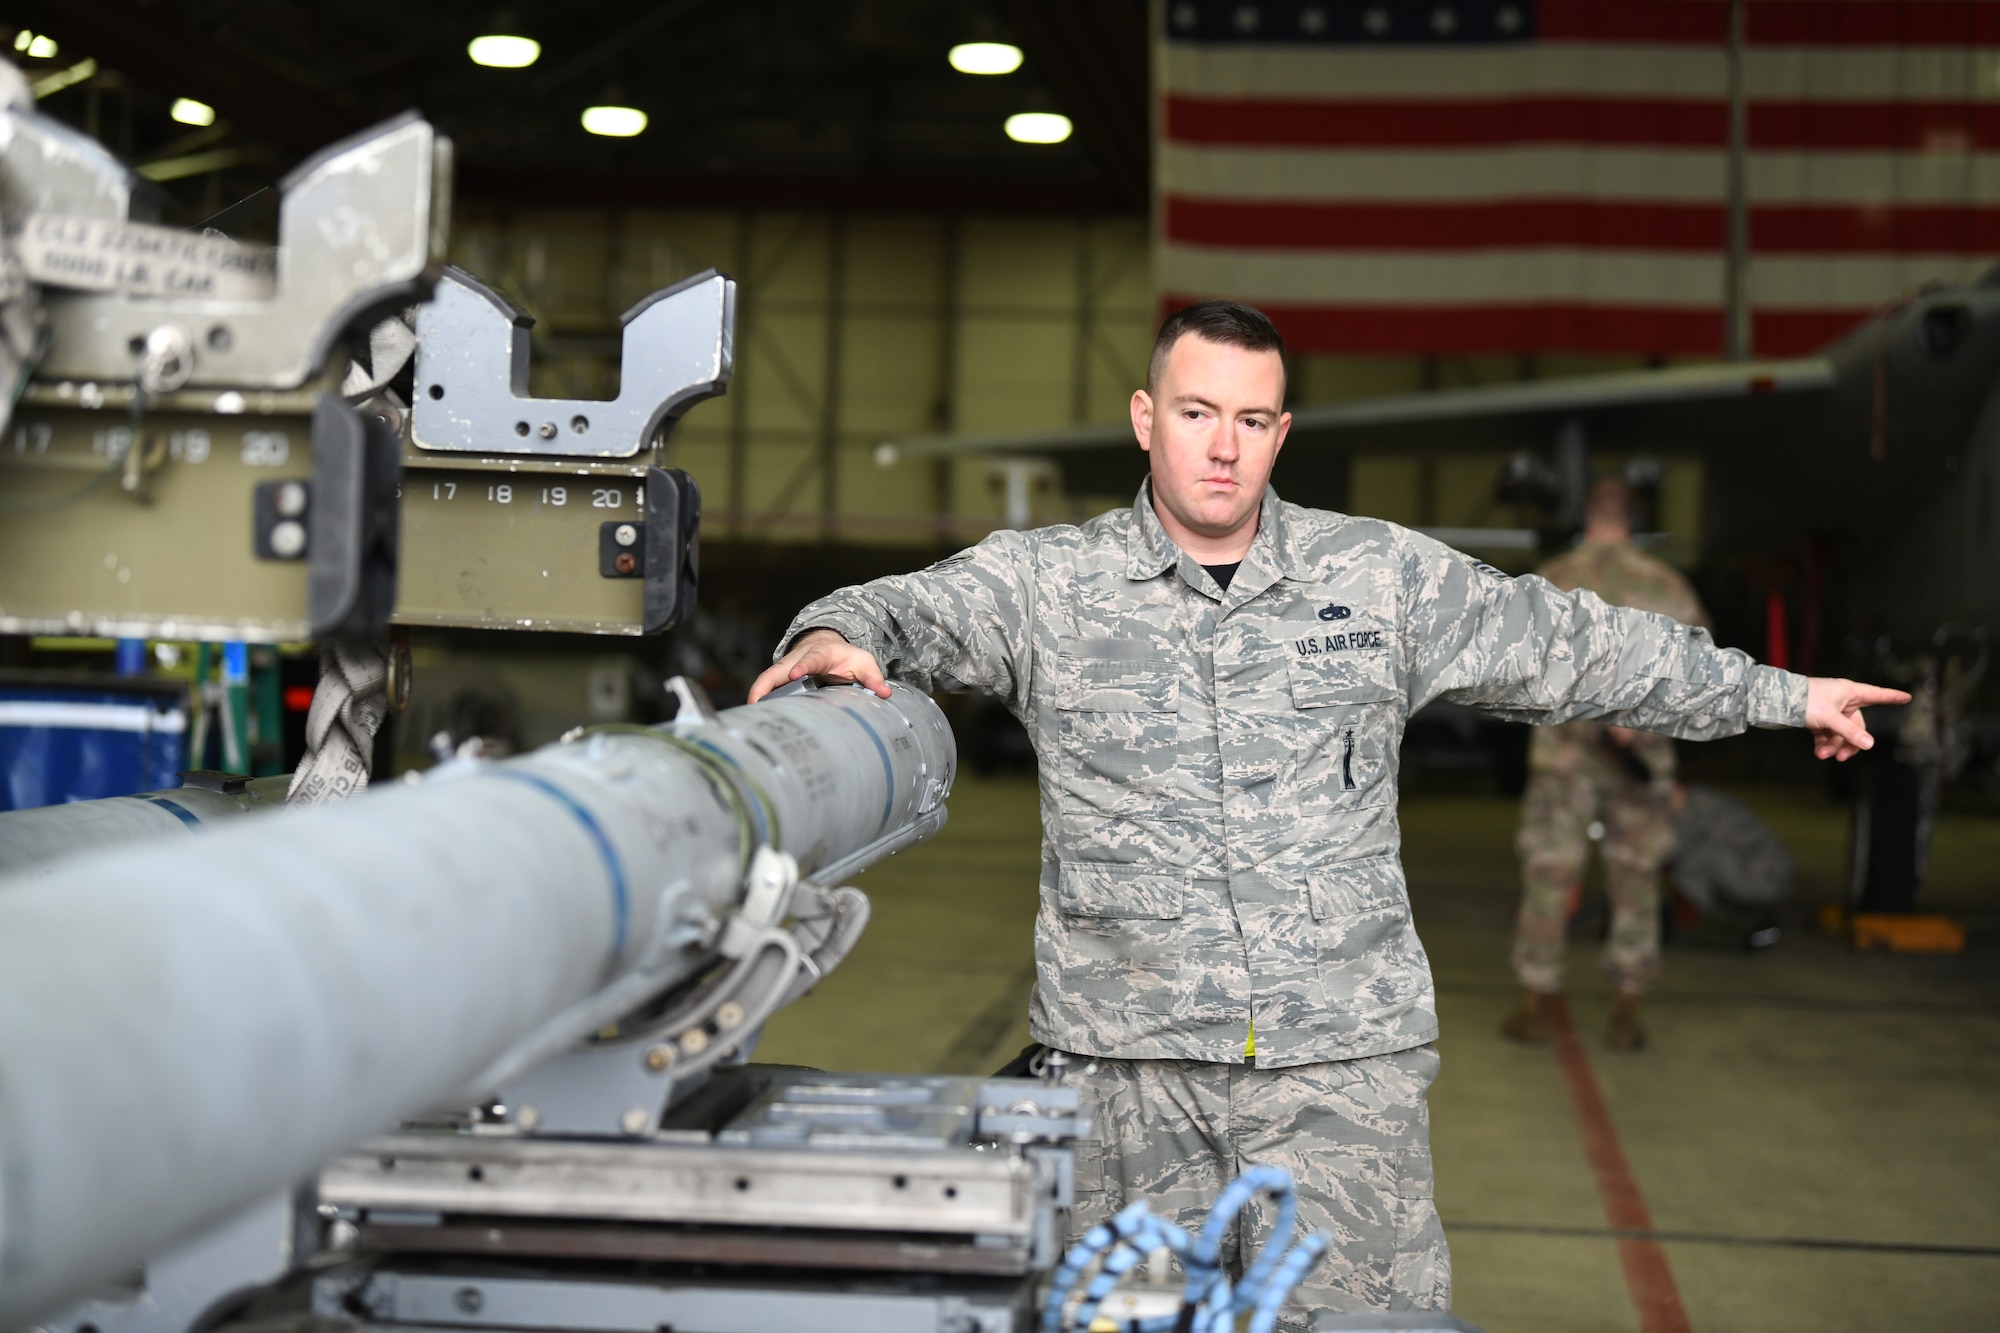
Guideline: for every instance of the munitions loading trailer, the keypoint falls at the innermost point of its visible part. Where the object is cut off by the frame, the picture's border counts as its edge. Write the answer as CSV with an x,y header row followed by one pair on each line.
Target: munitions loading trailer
x,y
191,454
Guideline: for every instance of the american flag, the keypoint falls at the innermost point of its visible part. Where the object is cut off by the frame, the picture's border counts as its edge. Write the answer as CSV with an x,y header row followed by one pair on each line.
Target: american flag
x,y
1457,176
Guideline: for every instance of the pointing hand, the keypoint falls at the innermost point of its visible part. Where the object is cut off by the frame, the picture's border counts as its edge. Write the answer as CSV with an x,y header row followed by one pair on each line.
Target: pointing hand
x,y
1833,715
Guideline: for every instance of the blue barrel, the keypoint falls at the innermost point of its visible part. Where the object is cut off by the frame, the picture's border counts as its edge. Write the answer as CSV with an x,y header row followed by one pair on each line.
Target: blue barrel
x,y
65,739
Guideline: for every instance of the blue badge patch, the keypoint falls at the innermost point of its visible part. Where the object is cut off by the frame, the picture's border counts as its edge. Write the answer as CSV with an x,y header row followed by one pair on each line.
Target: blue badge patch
x,y
1332,611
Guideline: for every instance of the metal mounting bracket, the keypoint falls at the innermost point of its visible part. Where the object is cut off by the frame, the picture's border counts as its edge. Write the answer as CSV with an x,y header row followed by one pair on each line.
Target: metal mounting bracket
x,y
622,1086
361,227
472,372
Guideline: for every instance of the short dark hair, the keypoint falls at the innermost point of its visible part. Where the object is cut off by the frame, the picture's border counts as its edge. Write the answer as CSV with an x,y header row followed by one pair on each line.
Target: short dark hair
x,y
1230,323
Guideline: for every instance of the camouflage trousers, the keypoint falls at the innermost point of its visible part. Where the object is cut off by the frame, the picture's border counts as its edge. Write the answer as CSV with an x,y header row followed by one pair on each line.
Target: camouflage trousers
x,y
1355,1135
1554,844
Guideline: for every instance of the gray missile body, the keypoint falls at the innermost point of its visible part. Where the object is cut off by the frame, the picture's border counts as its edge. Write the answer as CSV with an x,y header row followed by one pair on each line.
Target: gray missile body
x,y
33,841
188,1025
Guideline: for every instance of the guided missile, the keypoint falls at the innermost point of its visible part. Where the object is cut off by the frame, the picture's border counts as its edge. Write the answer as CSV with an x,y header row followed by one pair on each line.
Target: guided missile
x,y
32,841
187,1025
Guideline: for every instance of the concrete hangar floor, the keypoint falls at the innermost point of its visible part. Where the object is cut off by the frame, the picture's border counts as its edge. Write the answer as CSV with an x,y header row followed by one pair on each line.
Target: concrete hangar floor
x,y
1812,1140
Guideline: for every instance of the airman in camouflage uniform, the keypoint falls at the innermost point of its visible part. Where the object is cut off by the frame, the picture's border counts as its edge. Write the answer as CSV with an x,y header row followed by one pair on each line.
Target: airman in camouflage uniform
x,y
1218,762
1584,772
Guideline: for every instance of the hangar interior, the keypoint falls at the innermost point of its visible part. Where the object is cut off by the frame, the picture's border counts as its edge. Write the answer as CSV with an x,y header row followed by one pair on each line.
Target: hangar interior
x,y
930,330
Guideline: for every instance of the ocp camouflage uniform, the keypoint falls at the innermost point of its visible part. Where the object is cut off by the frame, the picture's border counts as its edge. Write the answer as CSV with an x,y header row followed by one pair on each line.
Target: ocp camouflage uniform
x,y
1218,799
1577,775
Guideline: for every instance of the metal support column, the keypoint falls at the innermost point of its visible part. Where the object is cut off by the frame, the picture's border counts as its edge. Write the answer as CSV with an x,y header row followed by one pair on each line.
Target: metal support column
x,y
1086,323
739,402
829,426
1736,263
946,412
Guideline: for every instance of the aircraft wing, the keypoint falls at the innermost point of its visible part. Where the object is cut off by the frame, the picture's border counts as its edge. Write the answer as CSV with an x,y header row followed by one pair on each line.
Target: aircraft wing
x,y
1679,409
1880,446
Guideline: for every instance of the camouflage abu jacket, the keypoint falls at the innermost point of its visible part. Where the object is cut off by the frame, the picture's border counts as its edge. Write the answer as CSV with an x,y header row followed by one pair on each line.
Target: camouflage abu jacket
x,y
1218,770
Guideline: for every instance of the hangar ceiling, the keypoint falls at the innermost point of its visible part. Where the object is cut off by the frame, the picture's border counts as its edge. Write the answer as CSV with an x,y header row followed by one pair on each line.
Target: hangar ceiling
x,y
816,104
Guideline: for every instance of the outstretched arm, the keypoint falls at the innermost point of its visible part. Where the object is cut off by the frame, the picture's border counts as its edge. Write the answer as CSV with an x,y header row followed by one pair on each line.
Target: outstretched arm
x,y
1833,715
1523,649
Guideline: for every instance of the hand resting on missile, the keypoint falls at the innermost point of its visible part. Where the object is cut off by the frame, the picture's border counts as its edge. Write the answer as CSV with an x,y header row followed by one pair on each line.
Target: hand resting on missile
x,y
822,652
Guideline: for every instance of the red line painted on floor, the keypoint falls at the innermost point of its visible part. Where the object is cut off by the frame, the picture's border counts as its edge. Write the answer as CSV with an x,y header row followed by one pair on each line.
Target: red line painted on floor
x,y
1647,1276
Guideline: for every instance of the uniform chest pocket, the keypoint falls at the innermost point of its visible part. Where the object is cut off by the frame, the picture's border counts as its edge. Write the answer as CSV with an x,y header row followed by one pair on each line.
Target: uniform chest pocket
x,y
1100,685
1119,725
1345,727
1331,682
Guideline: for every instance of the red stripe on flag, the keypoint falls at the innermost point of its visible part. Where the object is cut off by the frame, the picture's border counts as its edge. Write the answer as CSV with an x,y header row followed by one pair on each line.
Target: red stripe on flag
x,y
1925,125
1774,22
1586,224
1385,123
1632,122
1946,229
1871,23
1541,327
1501,225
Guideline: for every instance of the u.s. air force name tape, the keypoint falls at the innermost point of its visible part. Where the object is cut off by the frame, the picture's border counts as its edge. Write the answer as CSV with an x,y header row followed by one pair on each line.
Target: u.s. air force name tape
x,y
140,259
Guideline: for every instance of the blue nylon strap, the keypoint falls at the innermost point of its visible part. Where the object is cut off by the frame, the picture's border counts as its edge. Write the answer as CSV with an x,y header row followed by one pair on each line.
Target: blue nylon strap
x,y
177,811
621,901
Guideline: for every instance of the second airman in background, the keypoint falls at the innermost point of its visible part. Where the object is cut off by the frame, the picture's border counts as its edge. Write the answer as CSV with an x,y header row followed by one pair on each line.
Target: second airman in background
x,y
1588,781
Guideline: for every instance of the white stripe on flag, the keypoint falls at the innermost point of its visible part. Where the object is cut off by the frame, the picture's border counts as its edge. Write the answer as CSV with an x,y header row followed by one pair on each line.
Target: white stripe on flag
x,y
1307,175
1528,276
1808,283
1342,73
1490,277
94,717
1584,69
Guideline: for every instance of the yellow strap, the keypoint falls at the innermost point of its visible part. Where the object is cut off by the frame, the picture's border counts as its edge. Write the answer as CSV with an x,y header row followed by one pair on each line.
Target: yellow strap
x,y
1250,1042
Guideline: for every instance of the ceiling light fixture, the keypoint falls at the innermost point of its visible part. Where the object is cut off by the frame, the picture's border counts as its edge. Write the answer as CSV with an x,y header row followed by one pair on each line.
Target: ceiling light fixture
x,y
190,112
985,58
614,122
496,51
1037,127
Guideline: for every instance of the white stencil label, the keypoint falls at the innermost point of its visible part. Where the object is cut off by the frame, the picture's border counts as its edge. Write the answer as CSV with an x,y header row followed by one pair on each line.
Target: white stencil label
x,y
140,259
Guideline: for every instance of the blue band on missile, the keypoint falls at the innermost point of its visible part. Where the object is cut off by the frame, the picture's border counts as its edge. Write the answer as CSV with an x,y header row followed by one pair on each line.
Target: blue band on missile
x,y
177,811
888,769
621,901
747,792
